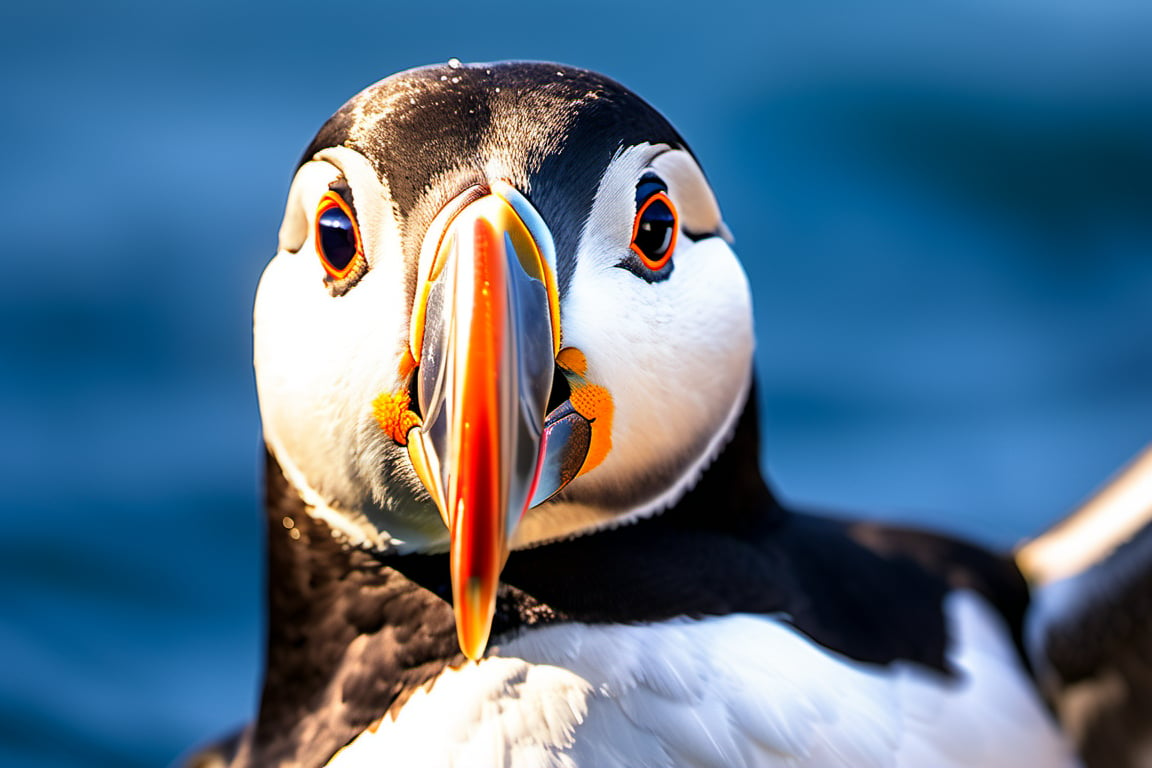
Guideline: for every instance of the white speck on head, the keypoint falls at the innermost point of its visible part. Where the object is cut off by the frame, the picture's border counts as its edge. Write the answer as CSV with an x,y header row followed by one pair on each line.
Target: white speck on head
x,y
454,63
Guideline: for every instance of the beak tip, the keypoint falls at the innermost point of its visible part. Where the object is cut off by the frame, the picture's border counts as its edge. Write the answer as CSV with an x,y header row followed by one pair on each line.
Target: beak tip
x,y
475,609
471,652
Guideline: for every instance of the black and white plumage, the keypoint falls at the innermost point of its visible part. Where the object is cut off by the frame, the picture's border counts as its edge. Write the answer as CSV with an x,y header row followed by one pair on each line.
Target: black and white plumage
x,y
655,604
1089,628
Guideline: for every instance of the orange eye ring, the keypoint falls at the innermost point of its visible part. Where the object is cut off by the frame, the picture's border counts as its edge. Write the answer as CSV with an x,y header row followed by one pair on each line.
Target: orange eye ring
x,y
664,252
337,237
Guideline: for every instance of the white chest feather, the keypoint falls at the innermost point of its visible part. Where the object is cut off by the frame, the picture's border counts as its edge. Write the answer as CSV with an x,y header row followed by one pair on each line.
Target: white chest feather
x,y
736,691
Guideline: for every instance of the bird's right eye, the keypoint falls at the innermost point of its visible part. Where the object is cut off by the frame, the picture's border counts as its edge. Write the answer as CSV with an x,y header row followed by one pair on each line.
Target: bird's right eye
x,y
338,238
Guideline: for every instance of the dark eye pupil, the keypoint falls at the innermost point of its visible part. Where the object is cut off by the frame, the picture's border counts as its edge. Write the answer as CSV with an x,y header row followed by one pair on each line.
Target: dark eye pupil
x,y
654,234
337,238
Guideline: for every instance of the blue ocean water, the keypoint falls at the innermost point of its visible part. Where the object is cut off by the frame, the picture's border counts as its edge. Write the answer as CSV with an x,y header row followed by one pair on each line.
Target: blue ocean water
x,y
945,210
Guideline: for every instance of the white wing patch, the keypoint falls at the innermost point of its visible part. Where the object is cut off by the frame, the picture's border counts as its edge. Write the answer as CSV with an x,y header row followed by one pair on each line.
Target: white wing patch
x,y
732,691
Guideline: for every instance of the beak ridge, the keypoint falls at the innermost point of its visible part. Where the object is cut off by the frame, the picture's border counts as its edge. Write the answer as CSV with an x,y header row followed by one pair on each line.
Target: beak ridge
x,y
486,365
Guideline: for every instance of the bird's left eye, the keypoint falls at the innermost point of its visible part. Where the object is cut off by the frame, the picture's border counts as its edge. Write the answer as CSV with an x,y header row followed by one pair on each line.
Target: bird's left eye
x,y
656,226
338,241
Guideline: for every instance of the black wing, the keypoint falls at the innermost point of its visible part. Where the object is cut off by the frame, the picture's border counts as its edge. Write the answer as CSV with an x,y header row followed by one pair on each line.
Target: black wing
x,y
1090,626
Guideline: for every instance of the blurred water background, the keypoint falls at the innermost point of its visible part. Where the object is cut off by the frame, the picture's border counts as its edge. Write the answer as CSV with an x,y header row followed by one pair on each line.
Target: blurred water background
x,y
945,209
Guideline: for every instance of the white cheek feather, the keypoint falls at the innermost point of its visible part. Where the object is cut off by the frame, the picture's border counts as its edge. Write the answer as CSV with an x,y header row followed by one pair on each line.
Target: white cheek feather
x,y
322,360
727,692
316,384
675,355
699,211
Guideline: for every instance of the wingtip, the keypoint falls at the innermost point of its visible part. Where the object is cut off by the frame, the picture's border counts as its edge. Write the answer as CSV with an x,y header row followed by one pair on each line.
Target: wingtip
x,y
217,754
1112,516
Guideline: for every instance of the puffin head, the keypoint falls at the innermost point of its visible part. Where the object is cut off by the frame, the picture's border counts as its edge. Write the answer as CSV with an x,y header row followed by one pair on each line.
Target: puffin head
x,y
503,311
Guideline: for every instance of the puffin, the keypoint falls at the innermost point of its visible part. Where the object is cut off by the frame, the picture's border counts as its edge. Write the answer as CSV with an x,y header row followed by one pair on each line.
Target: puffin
x,y
516,514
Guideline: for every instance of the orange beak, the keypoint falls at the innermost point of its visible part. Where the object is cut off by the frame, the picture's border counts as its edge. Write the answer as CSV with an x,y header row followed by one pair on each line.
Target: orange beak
x,y
485,336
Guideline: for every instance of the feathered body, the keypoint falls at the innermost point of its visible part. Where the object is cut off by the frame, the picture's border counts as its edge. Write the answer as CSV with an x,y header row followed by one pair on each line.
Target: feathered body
x,y
516,514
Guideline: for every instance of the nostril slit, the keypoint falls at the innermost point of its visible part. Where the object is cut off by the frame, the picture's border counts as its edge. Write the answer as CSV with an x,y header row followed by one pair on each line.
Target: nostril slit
x,y
561,392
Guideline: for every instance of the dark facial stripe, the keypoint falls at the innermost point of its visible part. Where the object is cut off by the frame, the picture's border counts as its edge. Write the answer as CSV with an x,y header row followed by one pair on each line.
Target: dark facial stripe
x,y
431,133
